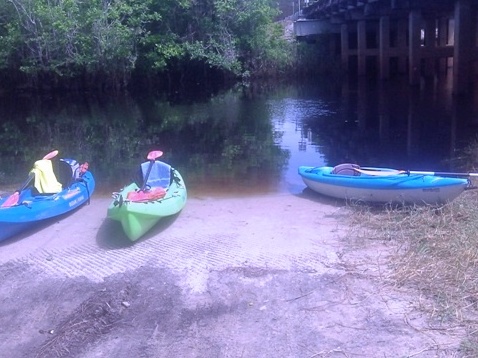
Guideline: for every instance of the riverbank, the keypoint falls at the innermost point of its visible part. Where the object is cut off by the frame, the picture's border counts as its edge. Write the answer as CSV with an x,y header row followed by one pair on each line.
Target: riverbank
x,y
258,276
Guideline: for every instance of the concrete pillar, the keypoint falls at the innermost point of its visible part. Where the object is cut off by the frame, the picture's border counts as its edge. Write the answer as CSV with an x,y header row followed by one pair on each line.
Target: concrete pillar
x,y
362,113
413,125
453,130
443,41
344,39
384,114
476,27
430,44
402,46
464,45
361,47
475,42
414,44
384,47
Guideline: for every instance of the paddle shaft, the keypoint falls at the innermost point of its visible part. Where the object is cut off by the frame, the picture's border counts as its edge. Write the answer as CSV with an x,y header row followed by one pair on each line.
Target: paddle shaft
x,y
26,183
376,171
152,157
146,177
442,174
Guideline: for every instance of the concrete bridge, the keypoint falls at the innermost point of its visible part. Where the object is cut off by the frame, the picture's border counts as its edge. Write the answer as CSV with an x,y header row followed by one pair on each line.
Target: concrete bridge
x,y
418,37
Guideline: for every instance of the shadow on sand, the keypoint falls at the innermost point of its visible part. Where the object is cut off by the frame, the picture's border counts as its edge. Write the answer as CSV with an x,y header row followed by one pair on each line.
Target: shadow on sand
x,y
110,235
311,195
38,227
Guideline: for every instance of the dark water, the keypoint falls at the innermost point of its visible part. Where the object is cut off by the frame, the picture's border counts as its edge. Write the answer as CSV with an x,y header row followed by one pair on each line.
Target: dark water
x,y
245,140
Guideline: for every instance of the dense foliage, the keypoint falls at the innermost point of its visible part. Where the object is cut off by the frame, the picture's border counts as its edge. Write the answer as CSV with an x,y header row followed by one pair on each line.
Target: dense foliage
x,y
103,43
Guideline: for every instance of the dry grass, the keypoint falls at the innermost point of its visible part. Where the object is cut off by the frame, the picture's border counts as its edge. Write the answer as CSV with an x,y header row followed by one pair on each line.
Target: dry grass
x,y
91,320
435,253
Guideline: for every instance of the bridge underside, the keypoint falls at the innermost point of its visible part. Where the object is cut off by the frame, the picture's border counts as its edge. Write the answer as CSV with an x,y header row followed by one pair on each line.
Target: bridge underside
x,y
418,37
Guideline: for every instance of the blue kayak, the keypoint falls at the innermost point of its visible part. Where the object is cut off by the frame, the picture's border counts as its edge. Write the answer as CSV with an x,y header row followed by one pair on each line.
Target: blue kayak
x,y
381,185
45,195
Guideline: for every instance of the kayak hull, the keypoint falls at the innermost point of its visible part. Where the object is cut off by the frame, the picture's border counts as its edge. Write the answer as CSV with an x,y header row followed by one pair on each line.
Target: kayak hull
x,y
34,209
137,218
393,188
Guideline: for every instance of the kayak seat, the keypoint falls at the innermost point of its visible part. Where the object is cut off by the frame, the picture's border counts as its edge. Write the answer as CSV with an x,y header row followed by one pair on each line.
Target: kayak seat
x,y
160,175
346,169
65,172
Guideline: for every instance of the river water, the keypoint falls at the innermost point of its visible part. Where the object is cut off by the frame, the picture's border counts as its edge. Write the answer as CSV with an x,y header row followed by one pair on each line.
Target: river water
x,y
245,140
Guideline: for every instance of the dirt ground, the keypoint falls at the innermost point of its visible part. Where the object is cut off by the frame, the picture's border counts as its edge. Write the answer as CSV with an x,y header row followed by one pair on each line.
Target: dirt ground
x,y
269,276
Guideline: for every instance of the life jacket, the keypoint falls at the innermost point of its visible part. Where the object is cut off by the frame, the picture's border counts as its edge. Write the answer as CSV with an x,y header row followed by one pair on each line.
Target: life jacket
x,y
45,179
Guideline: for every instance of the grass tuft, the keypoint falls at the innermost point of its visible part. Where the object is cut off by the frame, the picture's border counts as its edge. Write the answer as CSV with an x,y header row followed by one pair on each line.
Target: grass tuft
x,y
435,253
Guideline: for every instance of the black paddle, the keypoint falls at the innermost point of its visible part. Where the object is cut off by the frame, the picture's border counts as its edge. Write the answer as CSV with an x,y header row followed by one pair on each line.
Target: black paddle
x,y
151,157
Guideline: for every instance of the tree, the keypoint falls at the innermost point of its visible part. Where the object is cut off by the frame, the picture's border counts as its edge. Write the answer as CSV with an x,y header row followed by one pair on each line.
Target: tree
x,y
238,36
57,38
101,42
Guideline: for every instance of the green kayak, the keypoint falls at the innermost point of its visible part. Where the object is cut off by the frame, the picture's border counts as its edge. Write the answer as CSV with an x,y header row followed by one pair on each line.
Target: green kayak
x,y
139,206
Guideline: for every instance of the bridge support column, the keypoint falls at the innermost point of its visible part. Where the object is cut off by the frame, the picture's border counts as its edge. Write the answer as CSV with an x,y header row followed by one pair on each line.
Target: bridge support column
x,y
384,48
361,47
443,24
430,44
344,39
413,127
414,44
463,48
402,46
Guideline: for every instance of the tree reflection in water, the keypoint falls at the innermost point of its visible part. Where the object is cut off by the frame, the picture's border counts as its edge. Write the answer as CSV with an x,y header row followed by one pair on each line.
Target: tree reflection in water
x,y
241,140
220,142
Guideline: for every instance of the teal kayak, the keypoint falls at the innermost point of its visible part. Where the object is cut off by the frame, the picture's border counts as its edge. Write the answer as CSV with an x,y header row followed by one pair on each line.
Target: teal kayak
x,y
382,185
139,207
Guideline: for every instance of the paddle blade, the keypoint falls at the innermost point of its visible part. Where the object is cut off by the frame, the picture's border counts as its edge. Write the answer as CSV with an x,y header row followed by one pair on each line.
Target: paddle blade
x,y
12,200
154,154
50,155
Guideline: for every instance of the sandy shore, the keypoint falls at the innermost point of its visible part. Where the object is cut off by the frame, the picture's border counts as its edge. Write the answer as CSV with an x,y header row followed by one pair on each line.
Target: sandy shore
x,y
258,276
256,224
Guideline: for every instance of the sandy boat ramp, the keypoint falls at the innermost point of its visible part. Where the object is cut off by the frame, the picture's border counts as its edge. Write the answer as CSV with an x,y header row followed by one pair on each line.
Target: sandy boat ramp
x,y
253,276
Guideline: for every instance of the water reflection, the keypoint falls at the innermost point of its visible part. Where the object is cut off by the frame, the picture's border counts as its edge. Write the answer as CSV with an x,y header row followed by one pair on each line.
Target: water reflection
x,y
391,124
243,140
